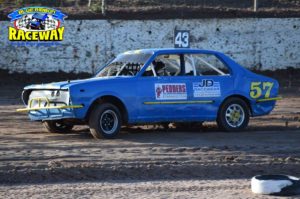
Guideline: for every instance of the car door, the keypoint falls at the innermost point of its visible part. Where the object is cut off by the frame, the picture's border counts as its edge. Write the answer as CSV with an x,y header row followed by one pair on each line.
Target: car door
x,y
210,79
162,90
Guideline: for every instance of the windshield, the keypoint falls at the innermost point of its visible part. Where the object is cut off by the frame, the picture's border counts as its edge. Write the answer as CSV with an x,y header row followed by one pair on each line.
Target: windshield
x,y
126,64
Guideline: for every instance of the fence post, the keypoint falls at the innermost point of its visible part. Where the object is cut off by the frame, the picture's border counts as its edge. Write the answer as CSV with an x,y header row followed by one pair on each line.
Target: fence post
x,y
103,7
255,5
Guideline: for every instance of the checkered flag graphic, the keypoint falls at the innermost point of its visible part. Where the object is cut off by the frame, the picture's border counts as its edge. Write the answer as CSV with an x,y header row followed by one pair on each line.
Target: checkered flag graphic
x,y
50,24
22,23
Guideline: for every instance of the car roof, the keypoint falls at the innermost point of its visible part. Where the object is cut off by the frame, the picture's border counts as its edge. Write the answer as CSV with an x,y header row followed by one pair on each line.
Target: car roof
x,y
173,50
40,16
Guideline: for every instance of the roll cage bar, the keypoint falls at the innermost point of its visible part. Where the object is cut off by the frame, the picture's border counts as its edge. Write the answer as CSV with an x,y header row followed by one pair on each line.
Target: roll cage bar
x,y
182,64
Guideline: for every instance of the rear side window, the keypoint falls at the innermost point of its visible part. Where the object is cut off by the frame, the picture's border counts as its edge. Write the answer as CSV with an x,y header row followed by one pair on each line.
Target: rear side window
x,y
204,64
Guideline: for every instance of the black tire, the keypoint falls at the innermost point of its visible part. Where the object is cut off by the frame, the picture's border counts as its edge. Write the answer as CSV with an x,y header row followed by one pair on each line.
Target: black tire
x,y
276,185
42,26
105,121
54,126
233,115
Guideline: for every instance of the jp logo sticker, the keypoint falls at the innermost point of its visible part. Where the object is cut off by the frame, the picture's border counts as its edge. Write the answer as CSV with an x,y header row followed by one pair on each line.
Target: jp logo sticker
x,y
36,24
207,88
170,91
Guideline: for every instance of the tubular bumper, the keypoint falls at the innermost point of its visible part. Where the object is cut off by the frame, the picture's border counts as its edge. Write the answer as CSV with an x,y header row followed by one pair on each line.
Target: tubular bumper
x,y
269,99
49,107
263,106
46,106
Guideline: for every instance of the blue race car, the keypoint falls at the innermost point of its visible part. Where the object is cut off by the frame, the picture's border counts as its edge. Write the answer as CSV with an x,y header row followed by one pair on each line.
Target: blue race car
x,y
37,22
154,86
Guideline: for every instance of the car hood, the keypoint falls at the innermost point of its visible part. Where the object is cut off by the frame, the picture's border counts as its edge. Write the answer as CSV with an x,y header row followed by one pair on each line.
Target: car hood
x,y
67,84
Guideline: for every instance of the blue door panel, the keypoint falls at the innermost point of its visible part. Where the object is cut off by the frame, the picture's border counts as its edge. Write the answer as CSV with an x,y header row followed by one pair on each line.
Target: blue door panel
x,y
162,98
207,92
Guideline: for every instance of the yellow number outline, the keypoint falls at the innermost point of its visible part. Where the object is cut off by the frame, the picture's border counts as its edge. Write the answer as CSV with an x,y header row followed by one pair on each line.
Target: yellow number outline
x,y
268,87
255,90
258,88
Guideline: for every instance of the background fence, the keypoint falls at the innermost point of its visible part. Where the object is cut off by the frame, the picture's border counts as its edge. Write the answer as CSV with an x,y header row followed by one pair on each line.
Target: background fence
x,y
79,7
256,43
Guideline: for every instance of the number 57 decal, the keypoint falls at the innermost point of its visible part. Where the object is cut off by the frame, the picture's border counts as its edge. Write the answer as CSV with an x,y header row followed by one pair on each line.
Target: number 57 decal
x,y
258,88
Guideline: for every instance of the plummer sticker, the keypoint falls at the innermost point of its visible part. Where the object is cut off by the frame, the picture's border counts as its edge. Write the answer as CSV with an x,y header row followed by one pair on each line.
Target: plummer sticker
x,y
207,88
170,91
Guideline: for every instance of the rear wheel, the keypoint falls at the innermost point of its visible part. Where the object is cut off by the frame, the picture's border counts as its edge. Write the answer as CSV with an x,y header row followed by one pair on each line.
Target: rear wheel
x,y
54,126
105,121
233,115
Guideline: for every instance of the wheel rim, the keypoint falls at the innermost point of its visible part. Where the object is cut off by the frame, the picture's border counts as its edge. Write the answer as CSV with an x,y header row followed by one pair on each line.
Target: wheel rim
x,y
108,122
235,115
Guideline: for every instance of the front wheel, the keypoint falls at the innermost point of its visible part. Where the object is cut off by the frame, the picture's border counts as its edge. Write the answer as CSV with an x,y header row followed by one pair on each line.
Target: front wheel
x,y
105,121
233,115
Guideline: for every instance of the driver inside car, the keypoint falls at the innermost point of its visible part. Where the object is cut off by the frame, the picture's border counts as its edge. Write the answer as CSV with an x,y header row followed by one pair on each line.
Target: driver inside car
x,y
159,68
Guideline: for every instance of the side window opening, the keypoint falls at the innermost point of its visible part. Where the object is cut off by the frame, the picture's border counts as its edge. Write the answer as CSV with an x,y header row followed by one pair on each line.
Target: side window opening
x,y
164,65
189,65
205,64
149,72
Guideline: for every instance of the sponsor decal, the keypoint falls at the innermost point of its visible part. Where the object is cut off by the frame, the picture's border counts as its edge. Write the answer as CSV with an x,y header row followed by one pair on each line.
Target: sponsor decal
x,y
172,91
36,24
207,88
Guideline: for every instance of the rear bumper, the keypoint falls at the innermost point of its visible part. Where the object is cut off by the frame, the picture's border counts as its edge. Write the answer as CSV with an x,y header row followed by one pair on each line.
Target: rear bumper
x,y
263,106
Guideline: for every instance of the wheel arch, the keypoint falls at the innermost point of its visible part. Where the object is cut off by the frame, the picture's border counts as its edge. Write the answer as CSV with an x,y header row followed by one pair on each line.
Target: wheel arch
x,y
245,99
109,99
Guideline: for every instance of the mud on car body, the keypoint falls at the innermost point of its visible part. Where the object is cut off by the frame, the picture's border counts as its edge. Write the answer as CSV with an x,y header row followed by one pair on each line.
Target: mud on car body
x,y
155,86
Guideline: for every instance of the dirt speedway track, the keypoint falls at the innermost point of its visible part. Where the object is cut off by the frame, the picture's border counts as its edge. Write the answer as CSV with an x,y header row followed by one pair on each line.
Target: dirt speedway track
x,y
146,162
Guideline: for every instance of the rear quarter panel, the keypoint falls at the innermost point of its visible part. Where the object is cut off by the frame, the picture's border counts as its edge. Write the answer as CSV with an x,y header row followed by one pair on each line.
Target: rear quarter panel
x,y
261,88
253,87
